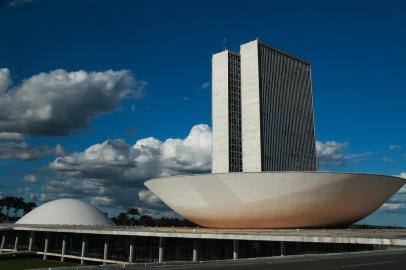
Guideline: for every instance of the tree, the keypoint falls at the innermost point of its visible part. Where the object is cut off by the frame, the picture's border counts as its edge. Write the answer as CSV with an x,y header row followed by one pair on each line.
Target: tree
x,y
122,219
18,203
133,211
28,207
9,203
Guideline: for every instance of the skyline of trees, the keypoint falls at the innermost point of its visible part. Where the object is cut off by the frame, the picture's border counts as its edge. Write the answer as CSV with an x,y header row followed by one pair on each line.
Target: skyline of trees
x,y
13,205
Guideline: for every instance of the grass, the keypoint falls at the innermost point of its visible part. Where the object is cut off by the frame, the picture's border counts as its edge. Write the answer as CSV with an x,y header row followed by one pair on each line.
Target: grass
x,y
29,263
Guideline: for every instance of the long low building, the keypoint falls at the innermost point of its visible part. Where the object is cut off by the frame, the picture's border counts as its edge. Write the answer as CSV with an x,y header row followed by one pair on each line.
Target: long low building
x,y
115,244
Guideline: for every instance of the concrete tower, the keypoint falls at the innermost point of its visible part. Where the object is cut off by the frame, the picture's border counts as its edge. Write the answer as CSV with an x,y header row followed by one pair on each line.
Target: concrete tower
x,y
262,110
226,112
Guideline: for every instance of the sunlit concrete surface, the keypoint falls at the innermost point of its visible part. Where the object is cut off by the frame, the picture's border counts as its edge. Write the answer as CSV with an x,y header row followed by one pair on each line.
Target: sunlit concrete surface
x,y
396,237
275,199
119,244
66,212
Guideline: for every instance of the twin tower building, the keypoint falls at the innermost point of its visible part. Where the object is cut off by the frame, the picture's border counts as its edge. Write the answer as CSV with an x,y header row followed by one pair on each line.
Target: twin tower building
x,y
262,111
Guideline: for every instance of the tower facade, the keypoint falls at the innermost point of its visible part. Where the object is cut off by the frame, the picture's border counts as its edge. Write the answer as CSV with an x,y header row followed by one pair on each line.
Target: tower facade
x,y
226,112
269,112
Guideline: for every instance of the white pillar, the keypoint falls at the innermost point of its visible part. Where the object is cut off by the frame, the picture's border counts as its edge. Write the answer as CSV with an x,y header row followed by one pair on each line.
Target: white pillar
x,y
31,241
3,241
63,251
195,252
161,249
283,248
46,246
106,250
131,252
83,253
235,249
16,243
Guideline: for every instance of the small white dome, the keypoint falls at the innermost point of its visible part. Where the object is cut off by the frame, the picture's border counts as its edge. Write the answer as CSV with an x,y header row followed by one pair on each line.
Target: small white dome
x,y
66,212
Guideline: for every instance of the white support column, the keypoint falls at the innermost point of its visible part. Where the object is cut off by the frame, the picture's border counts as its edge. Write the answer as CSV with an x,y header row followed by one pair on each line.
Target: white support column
x,y
106,250
63,251
283,248
83,253
131,252
16,243
46,246
161,249
235,249
31,241
195,250
3,241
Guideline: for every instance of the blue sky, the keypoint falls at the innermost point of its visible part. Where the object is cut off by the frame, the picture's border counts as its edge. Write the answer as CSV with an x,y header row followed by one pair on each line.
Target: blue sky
x,y
356,49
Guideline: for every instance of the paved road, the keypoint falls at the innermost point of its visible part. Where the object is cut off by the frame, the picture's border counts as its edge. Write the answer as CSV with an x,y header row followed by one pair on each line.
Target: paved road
x,y
386,260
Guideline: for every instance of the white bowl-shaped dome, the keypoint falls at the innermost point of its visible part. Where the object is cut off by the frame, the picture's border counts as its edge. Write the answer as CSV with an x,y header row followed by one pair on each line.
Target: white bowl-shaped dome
x,y
275,199
66,212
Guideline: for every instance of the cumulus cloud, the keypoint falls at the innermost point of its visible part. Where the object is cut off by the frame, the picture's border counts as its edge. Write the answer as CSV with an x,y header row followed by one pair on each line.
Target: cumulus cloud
x,y
332,153
58,102
397,203
60,151
22,151
403,189
148,197
5,80
11,136
394,207
12,150
102,201
115,171
28,194
30,179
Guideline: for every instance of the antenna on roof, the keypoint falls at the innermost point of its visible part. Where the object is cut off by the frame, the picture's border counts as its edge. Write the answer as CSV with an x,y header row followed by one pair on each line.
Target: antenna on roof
x,y
225,44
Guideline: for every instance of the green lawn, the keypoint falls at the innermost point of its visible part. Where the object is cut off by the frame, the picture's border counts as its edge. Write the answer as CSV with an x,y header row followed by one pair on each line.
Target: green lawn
x,y
28,263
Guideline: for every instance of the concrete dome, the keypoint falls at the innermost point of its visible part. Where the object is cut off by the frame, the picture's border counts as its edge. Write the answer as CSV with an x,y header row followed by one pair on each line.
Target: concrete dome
x,y
66,212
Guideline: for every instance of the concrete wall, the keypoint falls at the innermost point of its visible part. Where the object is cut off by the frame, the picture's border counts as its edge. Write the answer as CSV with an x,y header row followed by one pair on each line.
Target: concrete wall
x,y
220,118
250,108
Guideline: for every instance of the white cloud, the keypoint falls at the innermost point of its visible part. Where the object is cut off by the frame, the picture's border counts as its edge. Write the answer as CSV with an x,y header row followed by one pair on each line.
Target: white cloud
x,y
394,207
388,159
403,189
395,147
11,136
205,86
16,3
30,179
148,197
22,151
397,203
58,102
12,150
332,153
116,170
27,193
102,201
60,151
5,80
